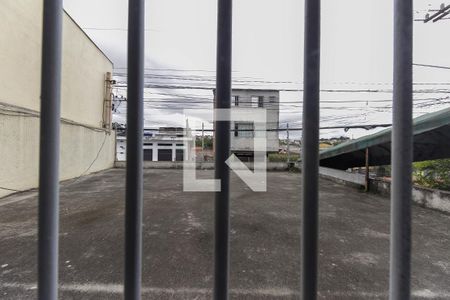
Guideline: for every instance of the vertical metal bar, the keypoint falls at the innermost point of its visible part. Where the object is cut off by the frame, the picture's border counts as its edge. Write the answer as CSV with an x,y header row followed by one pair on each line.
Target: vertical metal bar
x,y
400,259
366,179
135,132
49,150
222,150
310,145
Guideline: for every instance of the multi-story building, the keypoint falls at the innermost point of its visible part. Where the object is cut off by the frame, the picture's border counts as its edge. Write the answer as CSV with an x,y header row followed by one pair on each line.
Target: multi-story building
x,y
249,100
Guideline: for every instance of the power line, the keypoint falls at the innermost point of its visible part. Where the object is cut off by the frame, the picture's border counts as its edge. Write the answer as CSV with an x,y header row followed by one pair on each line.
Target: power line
x,y
432,66
192,87
8,189
442,12
347,127
171,69
209,78
111,29
194,100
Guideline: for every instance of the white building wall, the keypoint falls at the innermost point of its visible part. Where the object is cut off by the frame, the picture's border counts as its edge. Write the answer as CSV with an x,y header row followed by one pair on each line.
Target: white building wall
x,y
272,106
171,145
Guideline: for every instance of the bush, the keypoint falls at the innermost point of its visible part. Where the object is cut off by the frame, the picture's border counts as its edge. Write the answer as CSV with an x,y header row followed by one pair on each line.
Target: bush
x,y
282,157
432,173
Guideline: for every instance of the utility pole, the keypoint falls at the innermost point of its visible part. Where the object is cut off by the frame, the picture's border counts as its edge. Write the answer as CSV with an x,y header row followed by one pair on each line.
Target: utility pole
x,y
203,141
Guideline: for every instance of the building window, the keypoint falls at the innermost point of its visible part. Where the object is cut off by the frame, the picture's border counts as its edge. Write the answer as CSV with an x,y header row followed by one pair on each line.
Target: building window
x,y
257,101
254,101
243,129
235,100
260,101
162,144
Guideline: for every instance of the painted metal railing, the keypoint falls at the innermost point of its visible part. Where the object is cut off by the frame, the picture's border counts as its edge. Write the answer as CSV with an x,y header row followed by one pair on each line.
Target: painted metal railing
x,y
49,151
135,134
48,220
310,149
222,151
401,156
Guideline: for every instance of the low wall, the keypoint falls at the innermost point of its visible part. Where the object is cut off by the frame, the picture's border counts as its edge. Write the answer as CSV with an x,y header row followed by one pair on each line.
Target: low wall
x,y
83,150
271,166
343,177
430,198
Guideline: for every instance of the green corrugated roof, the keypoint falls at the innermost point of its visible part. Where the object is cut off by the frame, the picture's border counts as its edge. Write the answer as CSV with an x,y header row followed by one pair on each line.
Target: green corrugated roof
x,y
422,124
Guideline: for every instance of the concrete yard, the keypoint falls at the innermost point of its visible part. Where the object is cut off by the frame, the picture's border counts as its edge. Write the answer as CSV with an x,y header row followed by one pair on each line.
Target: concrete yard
x,y
178,241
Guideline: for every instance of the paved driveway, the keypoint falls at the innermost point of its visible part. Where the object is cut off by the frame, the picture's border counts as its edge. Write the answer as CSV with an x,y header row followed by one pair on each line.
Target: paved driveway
x,y
178,241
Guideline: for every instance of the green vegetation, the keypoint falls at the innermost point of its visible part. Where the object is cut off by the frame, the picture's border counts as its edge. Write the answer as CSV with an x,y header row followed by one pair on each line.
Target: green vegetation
x,y
432,173
282,157
208,141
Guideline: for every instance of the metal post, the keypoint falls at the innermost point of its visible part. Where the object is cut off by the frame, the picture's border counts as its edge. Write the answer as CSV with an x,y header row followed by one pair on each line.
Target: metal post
x,y
203,141
400,259
310,145
49,151
222,150
135,132
366,181
288,150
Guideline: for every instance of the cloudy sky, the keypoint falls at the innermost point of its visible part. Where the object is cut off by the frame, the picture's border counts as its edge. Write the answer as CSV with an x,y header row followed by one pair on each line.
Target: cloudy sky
x,y
356,55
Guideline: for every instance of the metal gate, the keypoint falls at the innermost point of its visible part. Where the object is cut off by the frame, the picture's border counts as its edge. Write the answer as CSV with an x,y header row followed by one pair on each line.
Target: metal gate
x,y
400,257
164,154
148,154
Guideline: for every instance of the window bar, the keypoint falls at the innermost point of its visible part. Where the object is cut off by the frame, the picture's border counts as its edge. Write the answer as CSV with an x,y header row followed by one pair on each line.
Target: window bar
x,y
222,150
401,194
49,151
310,149
135,132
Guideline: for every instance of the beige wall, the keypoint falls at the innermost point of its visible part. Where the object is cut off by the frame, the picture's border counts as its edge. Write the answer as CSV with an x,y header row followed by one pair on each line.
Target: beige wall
x,y
19,151
83,142
84,65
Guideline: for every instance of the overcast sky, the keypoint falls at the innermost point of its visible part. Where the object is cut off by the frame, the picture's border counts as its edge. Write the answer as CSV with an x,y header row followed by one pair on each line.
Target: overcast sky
x,y
356,53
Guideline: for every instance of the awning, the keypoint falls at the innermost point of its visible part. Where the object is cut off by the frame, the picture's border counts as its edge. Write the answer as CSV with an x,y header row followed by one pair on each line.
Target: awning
x,y
431,141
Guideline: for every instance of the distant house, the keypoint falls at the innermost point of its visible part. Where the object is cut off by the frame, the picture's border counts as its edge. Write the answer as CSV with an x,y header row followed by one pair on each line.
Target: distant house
x,y
250,100
166,144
